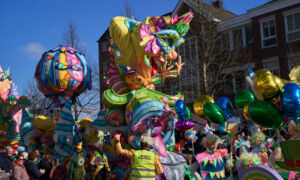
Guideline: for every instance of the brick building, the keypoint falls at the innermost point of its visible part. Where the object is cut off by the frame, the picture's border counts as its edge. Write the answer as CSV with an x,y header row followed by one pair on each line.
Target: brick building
x,y
271,32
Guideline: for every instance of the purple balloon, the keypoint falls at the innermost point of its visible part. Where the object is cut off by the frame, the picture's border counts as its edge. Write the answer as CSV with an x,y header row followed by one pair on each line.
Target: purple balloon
x,y
184,125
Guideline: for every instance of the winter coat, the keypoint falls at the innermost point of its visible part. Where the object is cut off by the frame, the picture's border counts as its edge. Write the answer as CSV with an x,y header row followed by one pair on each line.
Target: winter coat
x,y
44,164
19,172
5,162
58,173
32,170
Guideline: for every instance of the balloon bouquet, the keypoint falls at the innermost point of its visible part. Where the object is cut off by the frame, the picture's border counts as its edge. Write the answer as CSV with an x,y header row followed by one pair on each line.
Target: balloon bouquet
x,y
62,75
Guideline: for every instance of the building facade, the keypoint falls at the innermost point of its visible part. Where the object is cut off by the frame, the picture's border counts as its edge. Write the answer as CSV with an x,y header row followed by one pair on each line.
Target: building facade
x,y
271,32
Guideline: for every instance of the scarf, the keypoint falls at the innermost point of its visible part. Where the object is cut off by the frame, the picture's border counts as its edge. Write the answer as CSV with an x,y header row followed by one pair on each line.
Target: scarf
x,y
20,164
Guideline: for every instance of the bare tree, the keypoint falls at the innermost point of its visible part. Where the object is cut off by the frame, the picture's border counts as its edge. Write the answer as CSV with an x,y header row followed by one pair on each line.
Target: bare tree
x,y
128,11
39,105
214,54
89,98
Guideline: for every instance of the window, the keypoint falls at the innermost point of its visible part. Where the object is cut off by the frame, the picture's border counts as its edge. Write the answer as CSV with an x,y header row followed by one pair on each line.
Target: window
x,y
268,32
249,36
292,27
294,61
272,64
237,38
190,75
225,43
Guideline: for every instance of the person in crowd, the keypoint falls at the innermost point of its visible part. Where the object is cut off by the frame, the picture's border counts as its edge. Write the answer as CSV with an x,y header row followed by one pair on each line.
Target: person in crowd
x,y
76,167
45,164
32,169
6,159
58,171
211,161
145,164
18,169
99,162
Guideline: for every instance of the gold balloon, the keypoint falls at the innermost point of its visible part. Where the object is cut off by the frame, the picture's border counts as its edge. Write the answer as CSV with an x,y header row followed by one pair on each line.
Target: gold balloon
x,y
280,82
295,75
266,84
199,103
245,112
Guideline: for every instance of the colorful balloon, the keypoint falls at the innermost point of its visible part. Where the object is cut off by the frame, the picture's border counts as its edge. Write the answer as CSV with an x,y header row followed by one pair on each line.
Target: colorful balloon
x,y
180,109
266,84
265,114
295,75
213,113
199,103
280,82
245,112
243,97
188,113
184,125
290,100
225,104
62,74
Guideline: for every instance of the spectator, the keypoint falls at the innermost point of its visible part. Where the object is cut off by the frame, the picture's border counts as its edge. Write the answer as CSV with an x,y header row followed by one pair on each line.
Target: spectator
x,y
19,170
32,169
45,164
58,171
6,159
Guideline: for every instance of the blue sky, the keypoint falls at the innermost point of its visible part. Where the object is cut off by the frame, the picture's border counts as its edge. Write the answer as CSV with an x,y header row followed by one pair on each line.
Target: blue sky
x,y
30,27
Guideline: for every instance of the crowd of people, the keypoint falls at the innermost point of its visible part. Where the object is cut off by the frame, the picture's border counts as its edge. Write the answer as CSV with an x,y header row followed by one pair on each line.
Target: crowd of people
x,y
237,153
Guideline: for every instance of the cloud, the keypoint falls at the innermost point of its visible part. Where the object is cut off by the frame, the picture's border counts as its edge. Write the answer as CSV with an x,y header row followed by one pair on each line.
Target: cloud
x,y
33,50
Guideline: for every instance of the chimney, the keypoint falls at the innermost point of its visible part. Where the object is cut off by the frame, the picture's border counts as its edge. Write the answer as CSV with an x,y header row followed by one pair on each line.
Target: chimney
x,y
217,4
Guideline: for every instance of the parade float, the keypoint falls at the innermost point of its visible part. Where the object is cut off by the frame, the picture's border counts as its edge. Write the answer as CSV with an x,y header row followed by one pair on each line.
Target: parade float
x,y
11,107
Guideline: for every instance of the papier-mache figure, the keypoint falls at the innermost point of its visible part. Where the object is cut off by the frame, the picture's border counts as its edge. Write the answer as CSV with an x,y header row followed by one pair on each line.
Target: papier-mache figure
x,y
211,161
76,167
99,162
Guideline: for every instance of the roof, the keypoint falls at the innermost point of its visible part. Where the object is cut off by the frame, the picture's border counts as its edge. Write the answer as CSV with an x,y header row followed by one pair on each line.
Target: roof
x,y
211,12
106,32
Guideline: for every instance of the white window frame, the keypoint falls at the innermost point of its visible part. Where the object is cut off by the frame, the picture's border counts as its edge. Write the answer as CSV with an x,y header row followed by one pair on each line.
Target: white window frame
x,y
270,59
292,56
286,14
264,20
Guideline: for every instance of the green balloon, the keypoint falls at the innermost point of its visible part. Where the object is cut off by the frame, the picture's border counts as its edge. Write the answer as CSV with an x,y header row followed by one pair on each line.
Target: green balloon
x,y
188,113
265,114
243,97
213,113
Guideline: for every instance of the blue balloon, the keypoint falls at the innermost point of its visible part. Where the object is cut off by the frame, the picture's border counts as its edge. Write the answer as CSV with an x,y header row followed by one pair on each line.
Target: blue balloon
x,y
290,101
180,109
189,133
225,104
222,129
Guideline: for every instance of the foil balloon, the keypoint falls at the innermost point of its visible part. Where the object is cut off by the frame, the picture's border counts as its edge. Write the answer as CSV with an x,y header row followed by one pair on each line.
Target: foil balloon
x,y
188,114
213,113
280,82
295,75
243,97
266,84
225,104
180,109
290,100
199,103
245,112
63,74
265,114
184,125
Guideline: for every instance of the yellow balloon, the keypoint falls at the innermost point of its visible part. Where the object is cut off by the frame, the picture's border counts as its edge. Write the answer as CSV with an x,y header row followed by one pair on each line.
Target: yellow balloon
x,y
295,75
199,103
266,84
280,82
245,112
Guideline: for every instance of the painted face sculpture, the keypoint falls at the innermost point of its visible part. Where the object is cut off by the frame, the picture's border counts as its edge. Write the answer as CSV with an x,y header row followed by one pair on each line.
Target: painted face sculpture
x,y
5,84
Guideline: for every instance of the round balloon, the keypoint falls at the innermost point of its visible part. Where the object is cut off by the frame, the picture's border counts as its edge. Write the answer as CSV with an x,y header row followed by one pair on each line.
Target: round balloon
x,y
243,97
266,84
290,101
199,103
180,109
62,74
213,113
265,114
280,82
225,104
